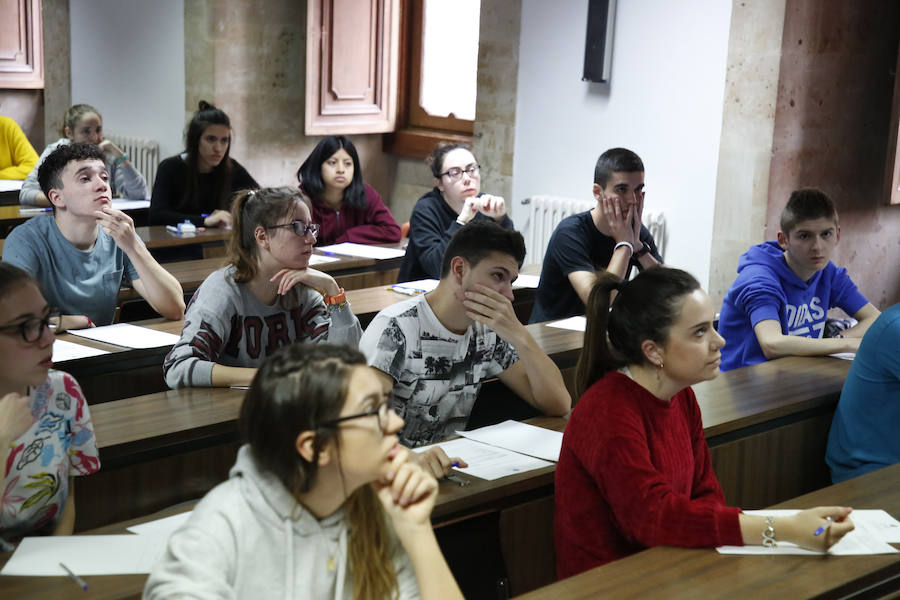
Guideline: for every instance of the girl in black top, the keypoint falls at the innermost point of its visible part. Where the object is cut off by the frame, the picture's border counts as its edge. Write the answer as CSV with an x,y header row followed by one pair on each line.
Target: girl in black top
x,y
198,184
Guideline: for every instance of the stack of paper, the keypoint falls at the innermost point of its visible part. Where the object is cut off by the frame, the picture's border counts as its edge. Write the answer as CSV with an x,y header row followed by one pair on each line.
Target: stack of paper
x,y
85,555
362,250
874,531
128,336
572,323
63,350
505,449
318,259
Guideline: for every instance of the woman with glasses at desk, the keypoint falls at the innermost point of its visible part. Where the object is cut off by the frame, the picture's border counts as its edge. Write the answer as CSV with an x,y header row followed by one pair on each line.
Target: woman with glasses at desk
x,y
455,200
322,501
46,436
635,470
265,298
346,208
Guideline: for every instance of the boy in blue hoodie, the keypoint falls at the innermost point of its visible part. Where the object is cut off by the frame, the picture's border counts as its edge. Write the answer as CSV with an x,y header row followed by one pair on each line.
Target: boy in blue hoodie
x,y
777,305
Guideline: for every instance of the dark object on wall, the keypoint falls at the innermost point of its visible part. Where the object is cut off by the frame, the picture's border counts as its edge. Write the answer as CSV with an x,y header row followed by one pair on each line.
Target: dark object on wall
x,y
598,42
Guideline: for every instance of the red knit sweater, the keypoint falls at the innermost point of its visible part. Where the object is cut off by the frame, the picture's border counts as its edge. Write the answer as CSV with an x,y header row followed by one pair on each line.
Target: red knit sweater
x,y
372,224
635,472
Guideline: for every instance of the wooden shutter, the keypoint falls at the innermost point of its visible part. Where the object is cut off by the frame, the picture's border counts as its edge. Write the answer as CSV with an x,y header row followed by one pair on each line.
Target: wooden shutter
x,y
21,48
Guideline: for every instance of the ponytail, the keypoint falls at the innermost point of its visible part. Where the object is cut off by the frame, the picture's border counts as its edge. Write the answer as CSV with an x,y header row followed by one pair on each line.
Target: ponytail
x,y
597,357
369,547
75,114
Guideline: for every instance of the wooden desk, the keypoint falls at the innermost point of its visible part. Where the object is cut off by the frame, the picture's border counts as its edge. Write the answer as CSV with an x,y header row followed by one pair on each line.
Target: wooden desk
x,y
101,376
674,573
157,236
10,217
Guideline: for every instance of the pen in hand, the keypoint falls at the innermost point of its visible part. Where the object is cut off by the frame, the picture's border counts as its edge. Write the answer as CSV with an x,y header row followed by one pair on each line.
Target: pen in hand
x,y
823,528
74,577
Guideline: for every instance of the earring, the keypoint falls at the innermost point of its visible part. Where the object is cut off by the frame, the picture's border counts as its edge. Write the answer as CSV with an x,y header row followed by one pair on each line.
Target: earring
x,y
659,368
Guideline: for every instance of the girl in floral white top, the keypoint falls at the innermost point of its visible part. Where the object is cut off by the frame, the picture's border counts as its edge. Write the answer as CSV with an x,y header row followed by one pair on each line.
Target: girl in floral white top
x,y
46,436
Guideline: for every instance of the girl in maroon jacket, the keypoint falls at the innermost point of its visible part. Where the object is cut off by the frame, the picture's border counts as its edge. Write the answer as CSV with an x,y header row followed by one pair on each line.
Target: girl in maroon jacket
x,y
345,208
635,470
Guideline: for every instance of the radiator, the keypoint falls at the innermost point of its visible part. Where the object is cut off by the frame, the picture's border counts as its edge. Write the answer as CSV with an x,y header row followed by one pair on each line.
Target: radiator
x,y
545,213
143,154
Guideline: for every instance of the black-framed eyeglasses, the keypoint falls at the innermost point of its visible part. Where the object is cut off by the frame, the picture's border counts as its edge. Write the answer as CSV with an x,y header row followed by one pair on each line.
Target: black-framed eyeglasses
x,y
299,228
456,173
32,329
383,410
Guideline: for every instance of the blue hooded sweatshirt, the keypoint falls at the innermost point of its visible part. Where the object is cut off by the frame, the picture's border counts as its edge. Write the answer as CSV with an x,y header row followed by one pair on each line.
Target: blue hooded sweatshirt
x,y
766,288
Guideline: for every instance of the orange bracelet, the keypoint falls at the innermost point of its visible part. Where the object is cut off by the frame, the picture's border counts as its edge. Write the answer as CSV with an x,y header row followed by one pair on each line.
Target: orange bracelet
x,y
338,299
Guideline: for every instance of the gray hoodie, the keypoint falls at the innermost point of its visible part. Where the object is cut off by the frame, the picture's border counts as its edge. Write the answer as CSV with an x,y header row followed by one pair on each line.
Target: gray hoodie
x,y
249,538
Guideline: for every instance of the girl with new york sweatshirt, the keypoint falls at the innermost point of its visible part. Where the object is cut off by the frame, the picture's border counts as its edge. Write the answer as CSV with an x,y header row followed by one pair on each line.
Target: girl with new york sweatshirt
x,y
267,297
322,501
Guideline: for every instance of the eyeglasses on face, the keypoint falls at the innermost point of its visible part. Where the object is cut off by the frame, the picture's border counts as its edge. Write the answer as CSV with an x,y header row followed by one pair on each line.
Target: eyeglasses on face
x,y
383,410
456,173
299,228
32,329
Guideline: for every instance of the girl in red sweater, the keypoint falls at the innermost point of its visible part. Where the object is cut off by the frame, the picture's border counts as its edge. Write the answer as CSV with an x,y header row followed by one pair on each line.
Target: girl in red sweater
x,y
635,470
345,207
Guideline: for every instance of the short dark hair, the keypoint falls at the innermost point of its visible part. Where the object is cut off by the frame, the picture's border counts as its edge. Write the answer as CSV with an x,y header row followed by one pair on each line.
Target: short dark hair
x,y
310,172
435,160
805,204
616,160
645,308
50,170
478,239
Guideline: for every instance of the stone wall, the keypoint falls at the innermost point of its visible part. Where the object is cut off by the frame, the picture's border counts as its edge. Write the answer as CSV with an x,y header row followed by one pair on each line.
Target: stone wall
x,y
831,129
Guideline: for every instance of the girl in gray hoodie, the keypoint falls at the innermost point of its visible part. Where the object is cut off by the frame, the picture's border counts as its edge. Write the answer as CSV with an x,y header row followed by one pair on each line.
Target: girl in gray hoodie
x,y
322,501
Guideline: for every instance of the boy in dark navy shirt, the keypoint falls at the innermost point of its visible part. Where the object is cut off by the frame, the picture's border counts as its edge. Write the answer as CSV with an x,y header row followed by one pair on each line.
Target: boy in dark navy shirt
x,y
608,237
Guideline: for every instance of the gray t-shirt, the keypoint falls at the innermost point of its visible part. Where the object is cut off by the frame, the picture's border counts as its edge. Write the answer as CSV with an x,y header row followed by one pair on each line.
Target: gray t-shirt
x,y
226,324
437,373
78,282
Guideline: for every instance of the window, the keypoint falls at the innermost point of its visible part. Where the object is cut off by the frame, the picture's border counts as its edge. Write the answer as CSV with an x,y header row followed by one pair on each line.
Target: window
x,y
438,75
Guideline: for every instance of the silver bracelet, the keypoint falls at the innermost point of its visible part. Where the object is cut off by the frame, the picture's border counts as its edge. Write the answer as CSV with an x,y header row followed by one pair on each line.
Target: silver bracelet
x,y
768,534
629,244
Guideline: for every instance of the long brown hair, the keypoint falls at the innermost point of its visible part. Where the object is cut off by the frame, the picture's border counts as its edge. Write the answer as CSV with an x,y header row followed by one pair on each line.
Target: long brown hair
x,y
206,115
250,209
644,309
298,389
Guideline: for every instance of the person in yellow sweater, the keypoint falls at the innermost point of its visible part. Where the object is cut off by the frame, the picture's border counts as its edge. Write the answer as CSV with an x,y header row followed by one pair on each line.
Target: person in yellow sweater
x,y
17,156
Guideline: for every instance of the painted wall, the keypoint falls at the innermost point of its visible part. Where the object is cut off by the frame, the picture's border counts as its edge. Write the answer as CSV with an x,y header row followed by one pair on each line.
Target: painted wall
x,y
127,59
831,129
664,102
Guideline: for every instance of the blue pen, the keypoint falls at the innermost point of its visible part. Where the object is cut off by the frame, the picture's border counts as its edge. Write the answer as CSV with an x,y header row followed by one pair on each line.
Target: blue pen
x,y
204,215
823,528
78,580
455,463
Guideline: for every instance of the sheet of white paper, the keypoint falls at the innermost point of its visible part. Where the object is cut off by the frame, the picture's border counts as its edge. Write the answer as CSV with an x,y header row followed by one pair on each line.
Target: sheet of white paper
x,y
85,555
126,204
526,281
10,185
128,336
63,350
844,355
573,323
520,437
318,259
363,250
418,286
165,526
867,537
488,462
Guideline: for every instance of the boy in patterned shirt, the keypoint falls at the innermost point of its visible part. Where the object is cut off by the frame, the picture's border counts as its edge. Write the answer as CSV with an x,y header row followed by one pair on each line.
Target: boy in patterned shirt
x,y
438,347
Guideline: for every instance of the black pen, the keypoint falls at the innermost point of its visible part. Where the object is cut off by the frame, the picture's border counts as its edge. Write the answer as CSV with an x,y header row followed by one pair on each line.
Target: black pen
x,y
74,577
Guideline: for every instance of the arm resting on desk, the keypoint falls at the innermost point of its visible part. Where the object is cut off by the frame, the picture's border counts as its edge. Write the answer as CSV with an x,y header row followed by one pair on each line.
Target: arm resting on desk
x,y
775,344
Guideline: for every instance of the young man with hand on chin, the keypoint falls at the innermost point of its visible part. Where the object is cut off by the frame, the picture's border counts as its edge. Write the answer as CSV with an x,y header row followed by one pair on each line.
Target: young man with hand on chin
x,y
609,237
87,250
438,347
